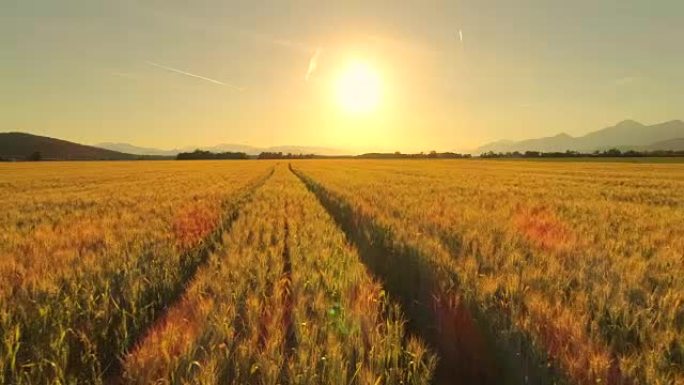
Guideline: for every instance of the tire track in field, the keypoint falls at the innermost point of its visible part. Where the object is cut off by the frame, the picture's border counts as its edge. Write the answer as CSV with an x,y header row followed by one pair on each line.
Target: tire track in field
x,y
290,343
466,350
113,375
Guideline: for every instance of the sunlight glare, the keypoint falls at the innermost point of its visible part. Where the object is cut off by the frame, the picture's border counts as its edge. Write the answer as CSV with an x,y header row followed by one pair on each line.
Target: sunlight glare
x,y
358,88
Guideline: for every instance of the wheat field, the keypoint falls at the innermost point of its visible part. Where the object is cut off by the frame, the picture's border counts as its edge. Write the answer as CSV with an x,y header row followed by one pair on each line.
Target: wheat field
x,y
342,272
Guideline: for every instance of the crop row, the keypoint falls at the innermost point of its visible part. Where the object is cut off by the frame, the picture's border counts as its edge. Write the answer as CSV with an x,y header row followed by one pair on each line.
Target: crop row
x,y
285,299
91,254
576,266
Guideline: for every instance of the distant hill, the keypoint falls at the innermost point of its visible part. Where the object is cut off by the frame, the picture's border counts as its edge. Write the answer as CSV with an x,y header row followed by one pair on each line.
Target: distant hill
x,y
226,147
626,134
131,149
19,146
667,145
305,150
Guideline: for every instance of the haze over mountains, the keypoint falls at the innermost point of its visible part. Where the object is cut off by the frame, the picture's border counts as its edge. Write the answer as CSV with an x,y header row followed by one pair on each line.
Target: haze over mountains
x,y
20,146
249,150
665,145
626,135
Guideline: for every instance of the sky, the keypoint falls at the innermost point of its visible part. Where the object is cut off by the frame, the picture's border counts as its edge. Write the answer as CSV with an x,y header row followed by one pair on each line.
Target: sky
x,y
447,75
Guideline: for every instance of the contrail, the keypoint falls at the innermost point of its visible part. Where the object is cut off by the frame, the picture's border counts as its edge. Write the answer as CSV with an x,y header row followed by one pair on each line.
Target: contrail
x,y
460,35
176,70
313,64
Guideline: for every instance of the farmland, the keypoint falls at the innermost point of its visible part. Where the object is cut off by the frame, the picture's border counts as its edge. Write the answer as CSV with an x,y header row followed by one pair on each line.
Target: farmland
x,y
573,266
92,252
342,271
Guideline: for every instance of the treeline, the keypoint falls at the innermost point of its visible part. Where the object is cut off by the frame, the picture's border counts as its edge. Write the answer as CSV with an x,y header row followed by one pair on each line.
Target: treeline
x,y
199,154
37,156
612,153
33,157
280,155
421,155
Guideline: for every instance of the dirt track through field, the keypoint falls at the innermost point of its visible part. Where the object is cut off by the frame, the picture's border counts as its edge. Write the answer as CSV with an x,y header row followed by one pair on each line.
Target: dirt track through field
x,y
113,375
466,354
288,319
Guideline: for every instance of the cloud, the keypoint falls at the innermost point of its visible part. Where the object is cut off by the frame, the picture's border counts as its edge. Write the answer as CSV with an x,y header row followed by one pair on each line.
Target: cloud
x,y
313,64
460,35
176,70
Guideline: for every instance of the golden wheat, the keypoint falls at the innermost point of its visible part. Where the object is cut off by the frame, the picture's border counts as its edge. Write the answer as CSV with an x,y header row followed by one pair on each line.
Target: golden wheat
x,y
532,271
91,252
585,258
285,300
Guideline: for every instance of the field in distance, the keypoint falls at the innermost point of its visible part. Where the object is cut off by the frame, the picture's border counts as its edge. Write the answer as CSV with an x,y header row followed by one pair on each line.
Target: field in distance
x,y
342,272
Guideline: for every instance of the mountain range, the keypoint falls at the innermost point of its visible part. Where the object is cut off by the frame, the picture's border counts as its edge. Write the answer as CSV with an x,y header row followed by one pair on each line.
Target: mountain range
x,y
20,146
249,150
626,135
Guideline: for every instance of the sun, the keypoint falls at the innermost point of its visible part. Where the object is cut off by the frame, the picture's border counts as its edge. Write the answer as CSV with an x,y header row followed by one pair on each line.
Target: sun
x,y
358,88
